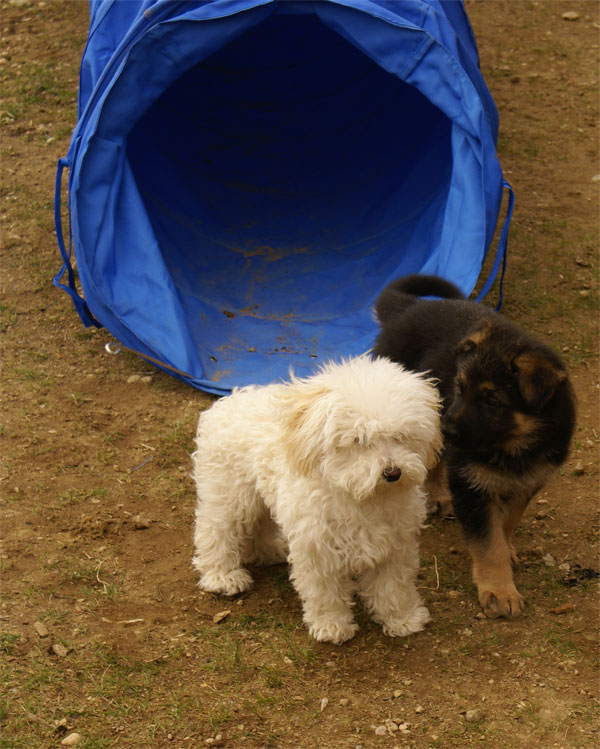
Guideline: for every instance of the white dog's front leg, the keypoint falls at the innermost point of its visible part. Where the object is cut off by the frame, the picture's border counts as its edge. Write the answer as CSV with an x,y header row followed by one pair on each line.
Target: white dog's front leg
x,y
389,594
326,600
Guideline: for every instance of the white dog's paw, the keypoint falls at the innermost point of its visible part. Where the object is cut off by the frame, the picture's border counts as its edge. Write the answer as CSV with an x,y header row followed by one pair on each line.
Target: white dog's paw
x,y
332,631
414,622
227,583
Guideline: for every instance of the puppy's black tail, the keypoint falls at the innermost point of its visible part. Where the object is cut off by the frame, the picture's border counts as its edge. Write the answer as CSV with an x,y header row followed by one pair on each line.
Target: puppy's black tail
x,y
403,292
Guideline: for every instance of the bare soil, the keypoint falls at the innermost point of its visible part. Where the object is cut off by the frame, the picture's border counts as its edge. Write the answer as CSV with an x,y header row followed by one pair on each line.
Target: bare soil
x,y
104,632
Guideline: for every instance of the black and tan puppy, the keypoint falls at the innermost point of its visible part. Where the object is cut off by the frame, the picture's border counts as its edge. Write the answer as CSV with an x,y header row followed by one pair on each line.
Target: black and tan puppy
x,y
509,413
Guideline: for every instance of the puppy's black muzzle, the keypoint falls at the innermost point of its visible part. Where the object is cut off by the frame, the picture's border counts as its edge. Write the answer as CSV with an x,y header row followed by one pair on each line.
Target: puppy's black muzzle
x,y
392,474
450,431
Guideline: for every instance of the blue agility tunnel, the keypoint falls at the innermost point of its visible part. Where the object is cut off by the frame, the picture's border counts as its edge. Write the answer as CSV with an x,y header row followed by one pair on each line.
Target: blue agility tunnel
x,y
247,175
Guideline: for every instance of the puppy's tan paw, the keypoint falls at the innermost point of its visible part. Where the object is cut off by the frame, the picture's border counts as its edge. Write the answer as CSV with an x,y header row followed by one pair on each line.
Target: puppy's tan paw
x,y
507,603
332,631
441,506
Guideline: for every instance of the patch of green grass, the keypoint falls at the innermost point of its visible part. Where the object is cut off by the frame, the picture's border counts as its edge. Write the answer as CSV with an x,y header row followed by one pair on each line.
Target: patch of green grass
x,y
279,574
97,743
8,642
56,616
272,678
106,455
8,316
34,377
561,642
75,496
219,716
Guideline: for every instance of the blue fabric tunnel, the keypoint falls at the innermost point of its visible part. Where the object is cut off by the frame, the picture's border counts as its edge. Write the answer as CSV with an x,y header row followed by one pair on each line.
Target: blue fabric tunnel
x,y
247,175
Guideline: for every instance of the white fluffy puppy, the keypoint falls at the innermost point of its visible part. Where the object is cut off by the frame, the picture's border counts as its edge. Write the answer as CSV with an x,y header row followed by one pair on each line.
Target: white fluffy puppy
x,y
326,473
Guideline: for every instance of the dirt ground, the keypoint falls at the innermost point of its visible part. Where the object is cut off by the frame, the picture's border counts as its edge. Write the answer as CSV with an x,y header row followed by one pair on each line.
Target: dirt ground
x,y
104,632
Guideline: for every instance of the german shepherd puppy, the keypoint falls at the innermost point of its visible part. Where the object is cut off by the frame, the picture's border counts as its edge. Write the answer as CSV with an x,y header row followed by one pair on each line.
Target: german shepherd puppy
x,y
508,416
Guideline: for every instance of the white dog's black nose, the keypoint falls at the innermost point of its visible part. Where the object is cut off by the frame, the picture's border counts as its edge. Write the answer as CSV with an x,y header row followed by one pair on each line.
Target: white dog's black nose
x,y
392,474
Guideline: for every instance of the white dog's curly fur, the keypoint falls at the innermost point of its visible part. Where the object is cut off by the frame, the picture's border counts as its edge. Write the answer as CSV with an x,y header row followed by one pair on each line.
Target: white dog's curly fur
x,y
326,473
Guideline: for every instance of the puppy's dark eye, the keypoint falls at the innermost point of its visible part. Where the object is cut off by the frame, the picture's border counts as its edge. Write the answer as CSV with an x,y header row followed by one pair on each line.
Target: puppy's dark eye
x,y
490,397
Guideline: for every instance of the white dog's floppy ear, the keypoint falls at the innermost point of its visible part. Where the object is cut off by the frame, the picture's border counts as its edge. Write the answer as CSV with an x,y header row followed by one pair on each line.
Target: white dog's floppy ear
x,y
304,418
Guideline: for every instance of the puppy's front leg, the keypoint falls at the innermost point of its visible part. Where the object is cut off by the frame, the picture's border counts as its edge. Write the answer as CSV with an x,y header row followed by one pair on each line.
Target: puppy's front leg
x,y
389,594
439,499
487,529
327,598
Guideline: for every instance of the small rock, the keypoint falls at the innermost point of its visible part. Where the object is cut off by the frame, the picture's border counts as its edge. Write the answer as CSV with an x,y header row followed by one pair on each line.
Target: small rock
x,y
404,727
323,704
381,731
391,725
580,260
147,379
596,178
133,378
141,523
344,701
467,632
549,560
565,567
60,726
59,650
473,716
578,468
71,740
570,15
220,616
397,693
407,682
453,594
419,709
41,629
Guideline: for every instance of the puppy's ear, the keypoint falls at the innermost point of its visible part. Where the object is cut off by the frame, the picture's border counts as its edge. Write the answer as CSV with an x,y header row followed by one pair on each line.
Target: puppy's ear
x,y
538,378
303,425
475,337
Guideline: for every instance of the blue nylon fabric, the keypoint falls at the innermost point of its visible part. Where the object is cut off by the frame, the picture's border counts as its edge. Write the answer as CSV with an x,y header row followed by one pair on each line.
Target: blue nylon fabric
x,y
247,175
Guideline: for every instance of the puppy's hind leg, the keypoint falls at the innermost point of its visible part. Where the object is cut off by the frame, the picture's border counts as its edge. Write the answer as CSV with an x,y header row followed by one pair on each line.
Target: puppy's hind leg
x,y
389,594
220,535
267,544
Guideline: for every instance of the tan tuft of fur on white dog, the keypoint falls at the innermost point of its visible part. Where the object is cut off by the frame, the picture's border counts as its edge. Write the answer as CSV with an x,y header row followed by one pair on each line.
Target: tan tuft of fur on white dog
x,y
327,473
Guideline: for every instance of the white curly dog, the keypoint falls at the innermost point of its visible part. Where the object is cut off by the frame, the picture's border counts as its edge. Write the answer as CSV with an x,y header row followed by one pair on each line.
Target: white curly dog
x,y
324,472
